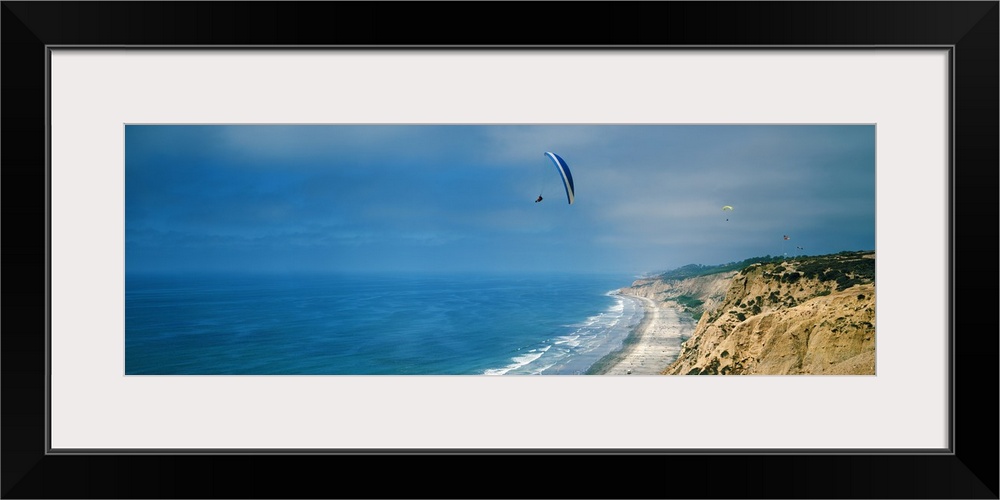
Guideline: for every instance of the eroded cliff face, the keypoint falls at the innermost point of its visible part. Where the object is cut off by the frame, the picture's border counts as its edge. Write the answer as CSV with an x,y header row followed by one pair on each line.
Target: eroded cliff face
x,y
694,295
811,315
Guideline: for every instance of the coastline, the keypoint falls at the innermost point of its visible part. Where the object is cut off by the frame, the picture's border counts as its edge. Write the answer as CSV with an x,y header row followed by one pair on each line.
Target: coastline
x,y
652,346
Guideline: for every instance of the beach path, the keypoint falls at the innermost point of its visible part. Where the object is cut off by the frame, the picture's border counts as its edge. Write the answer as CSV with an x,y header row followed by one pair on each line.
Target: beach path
x,y
659,340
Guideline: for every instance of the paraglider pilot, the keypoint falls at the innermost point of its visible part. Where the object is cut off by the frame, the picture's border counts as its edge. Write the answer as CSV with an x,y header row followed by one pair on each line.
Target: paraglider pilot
x,y
539,199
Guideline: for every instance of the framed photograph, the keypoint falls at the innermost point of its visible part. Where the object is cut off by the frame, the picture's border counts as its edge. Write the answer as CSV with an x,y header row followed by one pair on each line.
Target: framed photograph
x,y
286,235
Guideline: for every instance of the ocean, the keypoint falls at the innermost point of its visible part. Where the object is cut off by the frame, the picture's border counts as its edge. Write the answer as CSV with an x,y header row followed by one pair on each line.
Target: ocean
x,y
374,324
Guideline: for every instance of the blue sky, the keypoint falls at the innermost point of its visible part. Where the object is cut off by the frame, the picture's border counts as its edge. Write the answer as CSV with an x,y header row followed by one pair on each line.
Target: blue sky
x,y
313,198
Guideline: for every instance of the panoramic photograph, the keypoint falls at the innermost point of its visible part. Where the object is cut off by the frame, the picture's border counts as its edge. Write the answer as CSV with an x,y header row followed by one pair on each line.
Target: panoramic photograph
x,y
537,249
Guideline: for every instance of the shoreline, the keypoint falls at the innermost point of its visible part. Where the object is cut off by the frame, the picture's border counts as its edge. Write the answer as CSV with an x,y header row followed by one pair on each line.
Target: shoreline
x,y
652,346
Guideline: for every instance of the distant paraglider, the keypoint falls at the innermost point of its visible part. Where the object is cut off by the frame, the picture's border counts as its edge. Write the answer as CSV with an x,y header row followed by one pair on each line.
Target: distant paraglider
x,y
564,174
727,208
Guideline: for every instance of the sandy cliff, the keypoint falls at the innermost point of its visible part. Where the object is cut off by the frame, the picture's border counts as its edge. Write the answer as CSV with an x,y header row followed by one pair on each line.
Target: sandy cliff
x,y
805,315
693,295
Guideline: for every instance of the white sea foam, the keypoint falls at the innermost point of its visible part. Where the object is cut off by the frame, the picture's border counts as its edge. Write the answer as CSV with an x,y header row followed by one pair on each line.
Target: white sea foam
x,y
542,369
580,344
519,361
570,340
611,316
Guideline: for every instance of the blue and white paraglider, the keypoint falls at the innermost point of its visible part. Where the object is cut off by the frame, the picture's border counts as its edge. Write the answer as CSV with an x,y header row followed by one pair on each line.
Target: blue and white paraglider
x,y
564,174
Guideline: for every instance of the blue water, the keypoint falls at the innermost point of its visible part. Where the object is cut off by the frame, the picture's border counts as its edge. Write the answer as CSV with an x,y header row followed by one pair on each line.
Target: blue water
x,y
374,324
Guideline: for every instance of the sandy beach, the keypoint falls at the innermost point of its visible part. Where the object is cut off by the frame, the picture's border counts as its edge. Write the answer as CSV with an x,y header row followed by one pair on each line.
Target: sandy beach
x,y
654,344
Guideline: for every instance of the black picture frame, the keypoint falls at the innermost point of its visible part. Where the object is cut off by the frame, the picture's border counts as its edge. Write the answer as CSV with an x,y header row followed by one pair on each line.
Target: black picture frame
x,y
970,29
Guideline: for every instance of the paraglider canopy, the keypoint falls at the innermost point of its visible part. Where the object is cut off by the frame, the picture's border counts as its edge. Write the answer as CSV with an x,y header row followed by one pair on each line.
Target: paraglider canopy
x,y
567,177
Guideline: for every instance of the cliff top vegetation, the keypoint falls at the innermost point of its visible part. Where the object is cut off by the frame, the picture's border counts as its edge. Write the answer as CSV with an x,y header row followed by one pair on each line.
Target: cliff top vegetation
x,y
846,266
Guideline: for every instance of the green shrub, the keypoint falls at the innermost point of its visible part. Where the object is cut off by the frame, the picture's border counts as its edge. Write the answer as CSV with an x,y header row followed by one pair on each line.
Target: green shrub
x,y
791,277
689,301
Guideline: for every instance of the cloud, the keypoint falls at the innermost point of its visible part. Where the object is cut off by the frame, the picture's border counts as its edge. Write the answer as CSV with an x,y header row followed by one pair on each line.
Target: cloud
x,y
645,194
